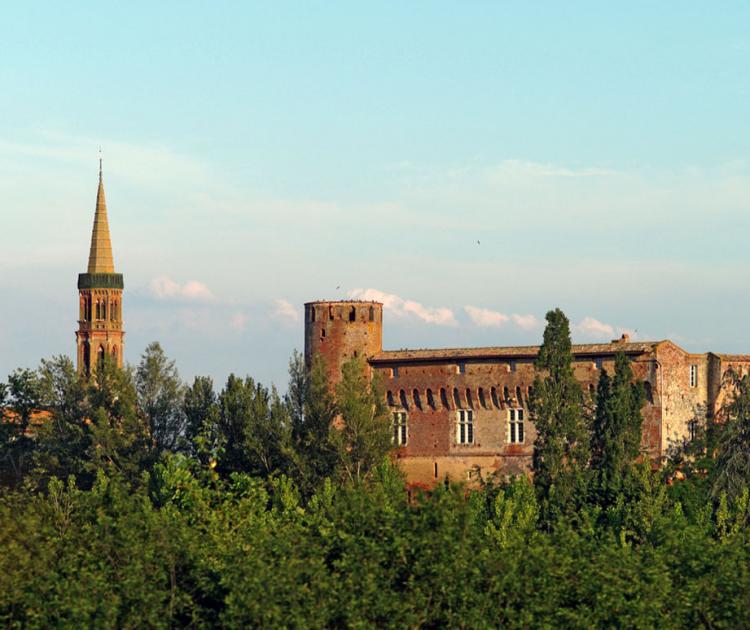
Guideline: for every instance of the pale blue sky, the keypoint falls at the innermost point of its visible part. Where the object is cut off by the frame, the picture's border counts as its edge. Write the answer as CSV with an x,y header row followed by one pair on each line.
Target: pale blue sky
x,y
258,156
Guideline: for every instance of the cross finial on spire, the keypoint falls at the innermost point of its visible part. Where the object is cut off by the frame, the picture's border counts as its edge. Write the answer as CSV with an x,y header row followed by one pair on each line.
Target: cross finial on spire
x,y
100,162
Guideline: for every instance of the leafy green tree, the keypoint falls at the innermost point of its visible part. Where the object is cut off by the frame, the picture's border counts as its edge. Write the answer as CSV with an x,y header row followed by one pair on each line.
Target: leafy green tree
x,y
616,431
561,448
731,473
160,396
201,410
312,411
23,399
64,438
121,443
253,428
363,437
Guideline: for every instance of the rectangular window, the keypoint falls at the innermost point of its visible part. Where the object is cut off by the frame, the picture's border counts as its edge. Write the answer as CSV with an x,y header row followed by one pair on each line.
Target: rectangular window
x,y
461,368
515,426
512,366
692,429
394,372
465,426
598,363
693,376
400,428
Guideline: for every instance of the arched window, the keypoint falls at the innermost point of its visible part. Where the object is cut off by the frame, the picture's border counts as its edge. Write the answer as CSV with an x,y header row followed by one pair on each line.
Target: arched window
x,y
649,392
87,357
114,352
456,398
519,398
444,398
389,398
104,309
417,399
352,314
430,399
372,313
493,394
506,394
482,399
402,398
330,313
98,310
100,356
469,398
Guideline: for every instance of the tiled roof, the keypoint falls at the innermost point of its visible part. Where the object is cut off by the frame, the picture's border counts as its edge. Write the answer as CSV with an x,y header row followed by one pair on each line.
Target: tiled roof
x,y
499,352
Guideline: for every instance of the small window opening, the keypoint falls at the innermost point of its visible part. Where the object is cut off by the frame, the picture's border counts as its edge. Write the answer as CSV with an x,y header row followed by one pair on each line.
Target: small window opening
x,y
518,395
436,470
495,401
389,398
394,372
417,399
482,399
461,368
512,366
430,399
402,398
598,363
444,398
372,313
330,313
693,376
456,398
506,394
352,314
469,398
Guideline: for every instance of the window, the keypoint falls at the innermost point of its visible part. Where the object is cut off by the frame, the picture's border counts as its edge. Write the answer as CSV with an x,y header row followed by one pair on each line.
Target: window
x,y
444,398
352,314
372,314
456,398
430,399
389,398
482,399
515,426
394,372
400,428
512,366
465,426
519,399
461,368
469,398
402,399
417,399
693,376
598,363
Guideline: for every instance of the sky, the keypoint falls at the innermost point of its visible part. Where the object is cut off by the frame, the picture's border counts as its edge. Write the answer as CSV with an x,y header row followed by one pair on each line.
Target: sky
x,y
471,165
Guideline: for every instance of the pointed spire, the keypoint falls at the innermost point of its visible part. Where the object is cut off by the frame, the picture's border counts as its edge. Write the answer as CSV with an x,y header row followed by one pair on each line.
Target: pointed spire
x,y
100,255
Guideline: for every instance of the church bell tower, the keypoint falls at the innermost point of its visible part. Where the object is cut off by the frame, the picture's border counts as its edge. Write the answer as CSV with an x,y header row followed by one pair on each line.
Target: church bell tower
x,y
100,297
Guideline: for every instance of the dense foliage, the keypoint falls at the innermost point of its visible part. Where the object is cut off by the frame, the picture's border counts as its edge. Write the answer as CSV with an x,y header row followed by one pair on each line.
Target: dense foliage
x,y
135,500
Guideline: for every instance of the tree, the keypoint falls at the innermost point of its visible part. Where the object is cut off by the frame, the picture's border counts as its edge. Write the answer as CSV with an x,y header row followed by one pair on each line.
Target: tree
x,y
160,396
561,449
121,443
616,431
312,410
362,438
731,474
201,419
253,428
23,399
62,441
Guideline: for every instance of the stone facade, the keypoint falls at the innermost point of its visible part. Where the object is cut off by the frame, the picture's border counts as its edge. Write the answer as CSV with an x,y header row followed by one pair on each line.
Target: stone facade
x,y
435,392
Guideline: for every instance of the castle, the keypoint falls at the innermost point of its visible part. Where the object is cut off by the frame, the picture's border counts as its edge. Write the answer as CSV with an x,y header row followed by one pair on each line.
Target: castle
x,y
455,412
460,412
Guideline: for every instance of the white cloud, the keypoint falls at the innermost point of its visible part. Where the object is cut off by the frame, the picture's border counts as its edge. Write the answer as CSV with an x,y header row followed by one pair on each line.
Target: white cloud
x,y
400,307
238,322
486,318
525,322
591,328
286,311
164,288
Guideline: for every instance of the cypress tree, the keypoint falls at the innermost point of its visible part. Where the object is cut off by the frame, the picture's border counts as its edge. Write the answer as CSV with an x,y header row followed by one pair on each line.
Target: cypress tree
x,y
561,448
616,431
